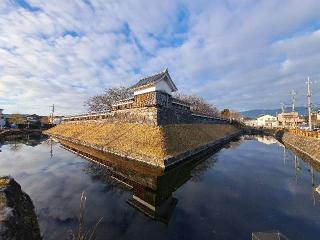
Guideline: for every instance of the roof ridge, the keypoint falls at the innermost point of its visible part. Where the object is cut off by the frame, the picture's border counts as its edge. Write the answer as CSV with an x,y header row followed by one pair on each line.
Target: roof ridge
x,y
157,73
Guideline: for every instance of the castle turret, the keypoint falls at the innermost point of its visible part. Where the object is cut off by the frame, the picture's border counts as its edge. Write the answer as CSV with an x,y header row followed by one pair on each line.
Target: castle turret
x,y
154,90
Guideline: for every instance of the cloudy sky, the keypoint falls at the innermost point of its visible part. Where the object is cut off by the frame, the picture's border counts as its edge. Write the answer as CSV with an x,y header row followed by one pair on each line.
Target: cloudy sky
x,y
239,54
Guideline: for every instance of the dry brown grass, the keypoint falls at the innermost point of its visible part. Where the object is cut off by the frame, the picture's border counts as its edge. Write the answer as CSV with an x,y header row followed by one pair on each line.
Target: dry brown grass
x,y
144,141
138,140
184,137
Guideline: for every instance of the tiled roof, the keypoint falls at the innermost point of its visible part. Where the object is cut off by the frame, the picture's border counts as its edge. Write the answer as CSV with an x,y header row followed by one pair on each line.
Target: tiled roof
x,y
153,79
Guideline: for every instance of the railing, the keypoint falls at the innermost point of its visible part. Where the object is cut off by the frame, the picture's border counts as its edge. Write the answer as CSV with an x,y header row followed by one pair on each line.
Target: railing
x,y
305,133
86,116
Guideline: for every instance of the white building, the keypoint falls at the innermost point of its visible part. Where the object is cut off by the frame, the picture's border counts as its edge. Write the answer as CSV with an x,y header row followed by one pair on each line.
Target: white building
x,y
251,122
2,119
267,121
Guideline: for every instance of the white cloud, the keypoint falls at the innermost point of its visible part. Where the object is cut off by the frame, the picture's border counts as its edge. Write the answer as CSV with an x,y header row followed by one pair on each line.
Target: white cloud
x,y
230,52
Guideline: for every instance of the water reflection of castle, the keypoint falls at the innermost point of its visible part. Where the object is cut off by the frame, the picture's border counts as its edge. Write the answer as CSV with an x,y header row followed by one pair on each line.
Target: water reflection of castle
x,y
152,188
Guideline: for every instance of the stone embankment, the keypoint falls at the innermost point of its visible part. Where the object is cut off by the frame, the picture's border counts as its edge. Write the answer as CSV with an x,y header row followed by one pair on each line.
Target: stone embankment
x,y
17,217
158,146
306,145
16,132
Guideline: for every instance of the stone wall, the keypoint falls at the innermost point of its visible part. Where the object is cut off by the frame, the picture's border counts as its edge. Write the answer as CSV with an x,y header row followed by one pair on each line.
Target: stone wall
x,y
305,145
176,115
145,115
154,108
17,217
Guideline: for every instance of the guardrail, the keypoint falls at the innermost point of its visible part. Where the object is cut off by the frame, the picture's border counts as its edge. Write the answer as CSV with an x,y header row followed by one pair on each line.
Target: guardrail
x,y
305,133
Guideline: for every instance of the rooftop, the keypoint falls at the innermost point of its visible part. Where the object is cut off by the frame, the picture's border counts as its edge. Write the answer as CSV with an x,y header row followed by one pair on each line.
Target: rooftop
x,y
153,79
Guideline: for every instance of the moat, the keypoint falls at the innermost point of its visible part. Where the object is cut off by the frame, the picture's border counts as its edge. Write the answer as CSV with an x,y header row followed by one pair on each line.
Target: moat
x,y
253,184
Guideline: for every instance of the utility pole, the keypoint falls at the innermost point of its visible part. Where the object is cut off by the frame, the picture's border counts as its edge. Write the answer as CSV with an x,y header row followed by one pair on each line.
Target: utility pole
x,y
52,113
282,107
309,103
293,98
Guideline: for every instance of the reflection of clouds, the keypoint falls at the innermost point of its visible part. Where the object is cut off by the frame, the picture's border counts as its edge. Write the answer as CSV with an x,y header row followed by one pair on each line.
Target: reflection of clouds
x,y
266,139
263,139
243,195
238,190
56,185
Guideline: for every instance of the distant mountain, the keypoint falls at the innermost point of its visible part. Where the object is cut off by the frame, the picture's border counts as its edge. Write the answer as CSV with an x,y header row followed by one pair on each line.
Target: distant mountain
x,y
258,112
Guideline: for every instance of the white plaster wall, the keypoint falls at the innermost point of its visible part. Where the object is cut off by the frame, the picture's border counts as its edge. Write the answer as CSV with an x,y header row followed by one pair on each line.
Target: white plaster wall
x,y
145,90
160,86
163,86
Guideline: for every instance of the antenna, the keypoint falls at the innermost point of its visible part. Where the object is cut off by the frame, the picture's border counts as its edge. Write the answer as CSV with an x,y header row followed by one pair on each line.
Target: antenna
x,y
309,102
293,98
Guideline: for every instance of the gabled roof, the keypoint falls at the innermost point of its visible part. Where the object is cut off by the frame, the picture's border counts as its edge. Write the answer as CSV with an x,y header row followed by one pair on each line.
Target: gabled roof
x,y
153,79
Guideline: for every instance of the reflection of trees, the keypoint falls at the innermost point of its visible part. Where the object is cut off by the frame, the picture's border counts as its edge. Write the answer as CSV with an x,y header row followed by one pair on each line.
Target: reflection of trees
x,y
15,147
102,174
25,139
198,172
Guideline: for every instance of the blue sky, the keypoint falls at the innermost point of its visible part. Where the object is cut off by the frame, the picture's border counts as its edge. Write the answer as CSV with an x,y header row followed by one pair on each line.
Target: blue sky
x,y
238,54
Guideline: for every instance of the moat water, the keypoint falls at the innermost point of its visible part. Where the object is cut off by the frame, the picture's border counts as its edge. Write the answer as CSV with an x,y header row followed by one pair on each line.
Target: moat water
x,y
252,185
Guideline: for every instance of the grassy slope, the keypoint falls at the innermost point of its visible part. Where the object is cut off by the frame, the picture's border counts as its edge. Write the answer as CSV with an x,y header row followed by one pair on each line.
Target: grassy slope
x,y
183,137
144,141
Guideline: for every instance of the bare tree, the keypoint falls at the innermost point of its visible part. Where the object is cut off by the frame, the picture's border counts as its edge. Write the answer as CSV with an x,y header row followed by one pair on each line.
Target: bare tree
x,y
198,105
103,102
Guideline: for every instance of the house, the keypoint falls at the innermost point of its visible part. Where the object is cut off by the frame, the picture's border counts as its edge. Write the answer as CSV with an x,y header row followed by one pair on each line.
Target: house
x,y
154,90
251,122
2,119
315,119
289,120
267,121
